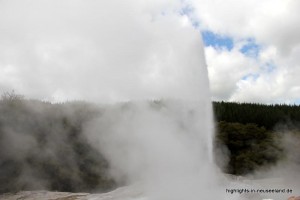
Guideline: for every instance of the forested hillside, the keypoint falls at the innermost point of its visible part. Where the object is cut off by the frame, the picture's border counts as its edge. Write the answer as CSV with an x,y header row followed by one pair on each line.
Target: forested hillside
x,y
268,116
42,145
253,136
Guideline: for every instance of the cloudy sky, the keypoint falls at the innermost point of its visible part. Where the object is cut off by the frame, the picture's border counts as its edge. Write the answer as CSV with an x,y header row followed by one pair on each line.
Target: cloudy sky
x,y
252,49
73,49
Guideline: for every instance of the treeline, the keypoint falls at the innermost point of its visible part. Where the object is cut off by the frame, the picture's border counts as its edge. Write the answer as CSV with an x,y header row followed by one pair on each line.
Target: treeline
x,y
268,116
251,136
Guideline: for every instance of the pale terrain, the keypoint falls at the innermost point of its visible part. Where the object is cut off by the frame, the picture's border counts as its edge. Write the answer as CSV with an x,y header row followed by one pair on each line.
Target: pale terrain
x,y
135,192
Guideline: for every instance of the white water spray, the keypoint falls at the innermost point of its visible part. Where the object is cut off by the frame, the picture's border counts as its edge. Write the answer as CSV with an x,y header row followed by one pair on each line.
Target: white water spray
x,y
111,51
165,145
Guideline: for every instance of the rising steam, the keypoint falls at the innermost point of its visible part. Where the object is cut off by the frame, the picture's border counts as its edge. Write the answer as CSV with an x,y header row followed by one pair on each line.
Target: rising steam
x,y
147,55
110,51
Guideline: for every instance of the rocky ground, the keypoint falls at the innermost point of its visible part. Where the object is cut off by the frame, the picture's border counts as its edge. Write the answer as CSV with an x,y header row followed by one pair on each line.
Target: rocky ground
x,y
123,193
135,192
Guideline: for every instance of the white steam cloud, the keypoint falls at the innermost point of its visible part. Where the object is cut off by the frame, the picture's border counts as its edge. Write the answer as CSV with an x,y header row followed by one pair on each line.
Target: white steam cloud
x,y
110,51
98,50
162,146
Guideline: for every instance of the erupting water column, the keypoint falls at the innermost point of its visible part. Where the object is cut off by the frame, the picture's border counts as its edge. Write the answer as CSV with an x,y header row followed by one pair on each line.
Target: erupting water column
x,y
162,139
164,146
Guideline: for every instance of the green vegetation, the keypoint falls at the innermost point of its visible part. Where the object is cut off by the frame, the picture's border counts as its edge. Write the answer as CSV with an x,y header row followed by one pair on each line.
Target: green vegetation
x,y
253,135
268,116
249,146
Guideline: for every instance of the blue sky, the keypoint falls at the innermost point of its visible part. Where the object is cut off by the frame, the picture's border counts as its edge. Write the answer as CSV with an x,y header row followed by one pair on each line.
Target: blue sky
x,y
251,48
217,41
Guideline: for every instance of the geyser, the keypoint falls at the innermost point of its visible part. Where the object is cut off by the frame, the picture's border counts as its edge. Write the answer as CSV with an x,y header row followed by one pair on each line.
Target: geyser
x,y
144,52
161,139
162,146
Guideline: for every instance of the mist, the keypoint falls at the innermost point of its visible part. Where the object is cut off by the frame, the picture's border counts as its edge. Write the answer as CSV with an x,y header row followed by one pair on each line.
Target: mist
x,y
157,145
108,52
284,174
150,123
43,147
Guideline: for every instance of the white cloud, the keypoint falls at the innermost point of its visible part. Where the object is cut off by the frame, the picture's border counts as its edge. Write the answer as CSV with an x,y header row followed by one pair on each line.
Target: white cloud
x,y
279,84
60,50
225,69
275,26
